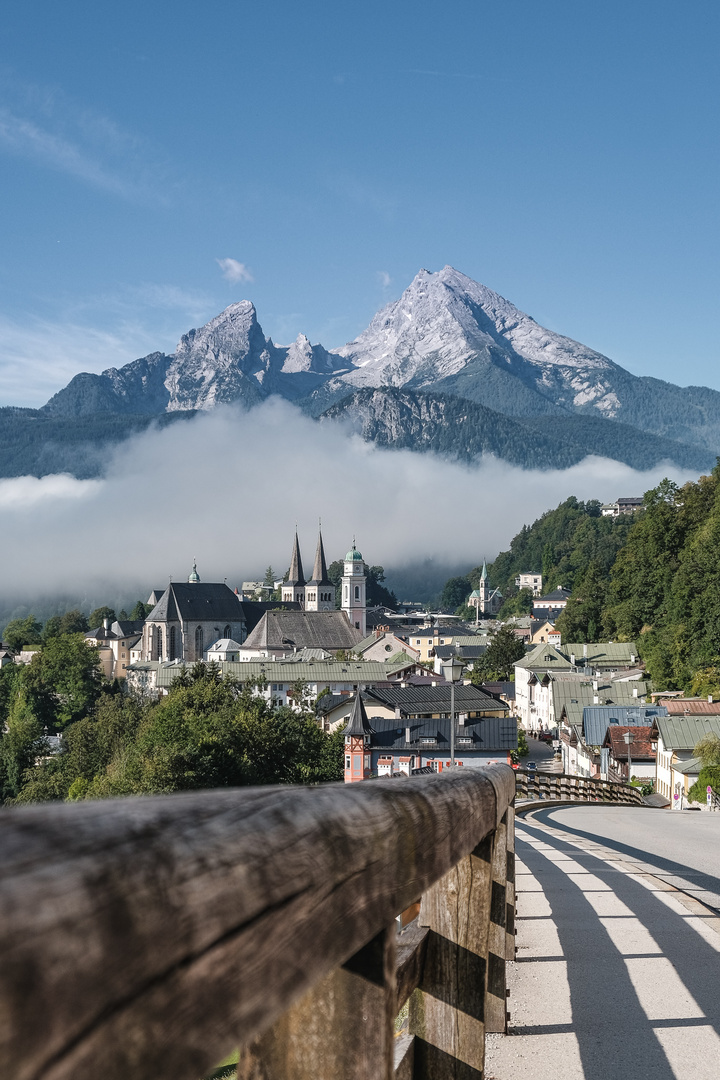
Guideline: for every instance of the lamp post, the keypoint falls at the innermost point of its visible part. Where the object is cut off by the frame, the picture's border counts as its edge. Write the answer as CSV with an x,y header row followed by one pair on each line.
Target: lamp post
x,y
629,739
452,670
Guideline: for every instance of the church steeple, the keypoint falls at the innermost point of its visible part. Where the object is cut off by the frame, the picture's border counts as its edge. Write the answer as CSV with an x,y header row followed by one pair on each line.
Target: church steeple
x,y
293,590
296,576
320,591
358,738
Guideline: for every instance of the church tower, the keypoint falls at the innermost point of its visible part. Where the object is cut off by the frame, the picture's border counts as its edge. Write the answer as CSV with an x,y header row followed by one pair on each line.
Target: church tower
x,y
320,591
293,590
353,590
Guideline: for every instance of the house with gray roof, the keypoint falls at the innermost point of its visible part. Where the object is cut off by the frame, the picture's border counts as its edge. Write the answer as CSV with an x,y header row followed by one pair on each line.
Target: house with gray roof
x,y
594,662
677,768
191,615
399,742
280,633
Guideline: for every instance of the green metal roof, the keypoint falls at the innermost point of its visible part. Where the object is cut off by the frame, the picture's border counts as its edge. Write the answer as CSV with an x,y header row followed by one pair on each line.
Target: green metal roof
x,y
549,657
684,732
338,672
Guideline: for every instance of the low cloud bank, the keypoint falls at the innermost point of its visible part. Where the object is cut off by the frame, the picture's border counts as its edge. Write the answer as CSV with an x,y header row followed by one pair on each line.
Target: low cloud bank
x,y
228,488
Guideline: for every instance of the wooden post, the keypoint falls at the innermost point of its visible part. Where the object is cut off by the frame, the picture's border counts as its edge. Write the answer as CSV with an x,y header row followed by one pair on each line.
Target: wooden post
x,y
447,1011
510,885
343,1029
495,1007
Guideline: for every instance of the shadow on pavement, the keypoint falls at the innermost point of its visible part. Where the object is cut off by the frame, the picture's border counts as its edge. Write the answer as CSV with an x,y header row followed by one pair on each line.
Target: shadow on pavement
x,y
616,1036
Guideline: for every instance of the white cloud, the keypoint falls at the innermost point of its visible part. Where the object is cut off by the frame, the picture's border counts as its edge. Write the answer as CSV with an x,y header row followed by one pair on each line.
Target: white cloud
x,y
384,279
234,271
229,486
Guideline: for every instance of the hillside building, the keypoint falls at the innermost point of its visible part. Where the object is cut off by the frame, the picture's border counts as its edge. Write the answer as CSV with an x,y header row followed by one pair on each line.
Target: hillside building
x,y
486,600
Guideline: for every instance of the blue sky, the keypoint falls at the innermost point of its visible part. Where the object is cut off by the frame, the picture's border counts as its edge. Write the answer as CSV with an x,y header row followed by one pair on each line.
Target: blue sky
x,y
563,153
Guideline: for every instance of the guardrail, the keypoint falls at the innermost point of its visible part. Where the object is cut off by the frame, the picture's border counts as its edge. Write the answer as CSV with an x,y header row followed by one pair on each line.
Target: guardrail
x,y
562,787
144,938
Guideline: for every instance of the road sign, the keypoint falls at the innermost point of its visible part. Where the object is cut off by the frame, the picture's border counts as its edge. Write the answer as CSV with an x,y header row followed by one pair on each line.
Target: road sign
x,y
708,789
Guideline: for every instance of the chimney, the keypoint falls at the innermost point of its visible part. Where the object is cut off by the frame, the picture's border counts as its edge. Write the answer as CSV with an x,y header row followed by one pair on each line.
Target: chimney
x,y
710,699
572,659
462,717
106,624
585,649
632,658
397,712
596,700
407,734
635,693
595,684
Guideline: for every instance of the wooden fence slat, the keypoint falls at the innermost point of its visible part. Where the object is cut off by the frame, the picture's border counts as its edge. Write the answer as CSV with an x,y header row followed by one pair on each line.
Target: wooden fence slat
x,y
447,1011
343,1028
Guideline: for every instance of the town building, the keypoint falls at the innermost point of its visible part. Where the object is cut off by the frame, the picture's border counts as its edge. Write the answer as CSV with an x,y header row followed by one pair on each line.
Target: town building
x,y
583,731
548,607
280,633
622,506
398,730
677,767
382,645
115,641
354,580
486,600
532,581
191,615
276,680
549,675
641,752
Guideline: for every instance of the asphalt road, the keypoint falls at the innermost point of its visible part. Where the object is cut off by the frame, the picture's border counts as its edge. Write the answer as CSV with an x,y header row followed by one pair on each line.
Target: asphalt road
x,y
680,846
616,974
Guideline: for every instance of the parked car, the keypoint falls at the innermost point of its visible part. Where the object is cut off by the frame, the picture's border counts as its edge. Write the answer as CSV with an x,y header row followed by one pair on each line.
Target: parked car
x,y
545,736
531,765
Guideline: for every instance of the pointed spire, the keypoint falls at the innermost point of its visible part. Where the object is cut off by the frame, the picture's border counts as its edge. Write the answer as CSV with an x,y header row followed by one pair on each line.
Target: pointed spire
x,y
296,576
320,574
358,724
484,575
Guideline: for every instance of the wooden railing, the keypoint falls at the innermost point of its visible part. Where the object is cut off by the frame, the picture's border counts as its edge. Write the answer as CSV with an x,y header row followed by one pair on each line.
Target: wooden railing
x,y
144,939
562,787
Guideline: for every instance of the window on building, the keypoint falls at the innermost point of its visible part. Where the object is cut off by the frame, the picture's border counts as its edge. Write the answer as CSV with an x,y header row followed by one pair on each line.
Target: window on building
x,y
227,632
347,763
357,592
172,649
159,642
198,641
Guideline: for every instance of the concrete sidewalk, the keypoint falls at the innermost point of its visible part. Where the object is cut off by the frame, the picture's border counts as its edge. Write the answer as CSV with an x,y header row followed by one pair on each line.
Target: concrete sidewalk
x,y
617,972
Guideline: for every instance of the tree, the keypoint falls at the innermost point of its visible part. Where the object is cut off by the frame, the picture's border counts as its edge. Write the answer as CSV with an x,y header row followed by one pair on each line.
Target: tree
x,y
98,616
19,746
21,632
519,604
141,611
270,577
455,593
498,661
52,627
63,681
74,622
376,593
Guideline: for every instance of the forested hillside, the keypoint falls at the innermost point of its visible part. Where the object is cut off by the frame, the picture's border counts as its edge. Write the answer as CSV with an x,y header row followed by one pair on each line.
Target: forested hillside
x,y
652,577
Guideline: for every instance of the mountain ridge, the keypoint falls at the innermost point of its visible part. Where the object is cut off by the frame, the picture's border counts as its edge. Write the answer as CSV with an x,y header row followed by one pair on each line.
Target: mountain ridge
x,y
446,334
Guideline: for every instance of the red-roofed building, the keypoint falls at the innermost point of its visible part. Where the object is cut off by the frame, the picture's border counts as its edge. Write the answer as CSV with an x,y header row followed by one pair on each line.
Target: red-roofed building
x,y
643,751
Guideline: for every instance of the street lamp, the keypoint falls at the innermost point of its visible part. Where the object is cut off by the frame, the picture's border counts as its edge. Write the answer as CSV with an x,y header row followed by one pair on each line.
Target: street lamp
x,y
452,671
629,739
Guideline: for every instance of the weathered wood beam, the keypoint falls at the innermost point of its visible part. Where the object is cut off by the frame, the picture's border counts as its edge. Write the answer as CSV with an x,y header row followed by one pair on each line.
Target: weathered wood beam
x,y
150,934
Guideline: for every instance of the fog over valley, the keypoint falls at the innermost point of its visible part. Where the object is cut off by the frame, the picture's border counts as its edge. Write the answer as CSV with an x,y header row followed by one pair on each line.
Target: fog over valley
x,y
228,487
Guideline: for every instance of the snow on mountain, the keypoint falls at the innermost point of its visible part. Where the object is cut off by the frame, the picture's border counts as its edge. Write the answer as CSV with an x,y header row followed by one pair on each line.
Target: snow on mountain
x,y
445,321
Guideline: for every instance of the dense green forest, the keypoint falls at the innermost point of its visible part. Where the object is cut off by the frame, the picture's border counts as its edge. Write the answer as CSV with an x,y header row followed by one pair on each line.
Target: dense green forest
x,y
208,732
652,577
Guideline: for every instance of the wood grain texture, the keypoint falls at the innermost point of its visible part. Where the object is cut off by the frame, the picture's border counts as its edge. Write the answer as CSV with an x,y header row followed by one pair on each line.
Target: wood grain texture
x,y
343,1027
151,934
447,1011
